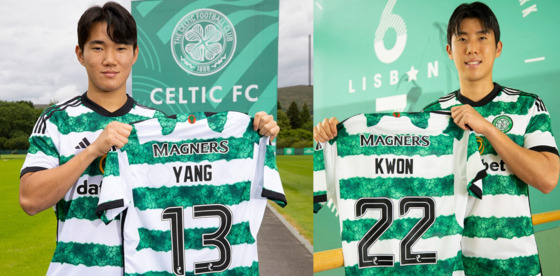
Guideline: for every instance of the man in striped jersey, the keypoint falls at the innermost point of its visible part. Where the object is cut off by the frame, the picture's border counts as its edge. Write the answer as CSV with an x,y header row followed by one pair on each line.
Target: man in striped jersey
x,y
64,167
515,141
193,191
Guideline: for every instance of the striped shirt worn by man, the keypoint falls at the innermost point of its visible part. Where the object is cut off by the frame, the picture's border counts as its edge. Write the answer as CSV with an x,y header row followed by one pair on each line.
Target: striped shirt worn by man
x,y
193,192
85,245
499,237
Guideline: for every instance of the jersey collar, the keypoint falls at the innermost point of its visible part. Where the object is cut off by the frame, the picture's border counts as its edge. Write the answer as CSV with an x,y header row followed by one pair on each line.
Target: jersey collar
x,y
483,101
104,112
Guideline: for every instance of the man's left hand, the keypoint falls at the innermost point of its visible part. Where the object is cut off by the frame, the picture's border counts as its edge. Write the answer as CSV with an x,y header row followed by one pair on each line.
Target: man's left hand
x,y
265,125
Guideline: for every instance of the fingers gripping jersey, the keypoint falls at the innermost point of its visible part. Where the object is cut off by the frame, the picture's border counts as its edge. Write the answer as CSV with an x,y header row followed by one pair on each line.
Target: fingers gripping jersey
x,y
400,185
194,191
499,237
84,245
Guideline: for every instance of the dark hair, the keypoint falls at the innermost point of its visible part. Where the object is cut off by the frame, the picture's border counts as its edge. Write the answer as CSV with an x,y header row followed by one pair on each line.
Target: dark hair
x,y
121,26
473,10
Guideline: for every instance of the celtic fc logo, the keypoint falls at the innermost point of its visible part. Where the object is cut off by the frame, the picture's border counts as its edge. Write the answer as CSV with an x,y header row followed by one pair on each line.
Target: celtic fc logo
x,y
203,42
503,123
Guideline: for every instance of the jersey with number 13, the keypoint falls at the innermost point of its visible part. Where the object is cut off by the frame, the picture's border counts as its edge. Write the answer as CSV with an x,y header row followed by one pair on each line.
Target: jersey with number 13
x,y
195,191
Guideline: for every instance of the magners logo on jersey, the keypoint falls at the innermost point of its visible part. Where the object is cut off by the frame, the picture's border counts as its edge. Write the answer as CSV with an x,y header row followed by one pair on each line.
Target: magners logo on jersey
x,y
170,149
373,140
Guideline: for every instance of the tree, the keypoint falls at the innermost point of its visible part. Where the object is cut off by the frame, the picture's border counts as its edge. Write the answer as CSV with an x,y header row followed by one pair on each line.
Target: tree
x,y
305,116
283,120
293,115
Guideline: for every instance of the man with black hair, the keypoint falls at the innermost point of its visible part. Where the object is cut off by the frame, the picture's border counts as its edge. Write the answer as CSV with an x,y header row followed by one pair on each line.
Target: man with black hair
x,y
516,144
64,164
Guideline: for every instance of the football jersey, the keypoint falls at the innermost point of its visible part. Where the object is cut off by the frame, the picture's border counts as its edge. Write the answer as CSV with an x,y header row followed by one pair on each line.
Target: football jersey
x,y
499,237
400,185
85,245
193,191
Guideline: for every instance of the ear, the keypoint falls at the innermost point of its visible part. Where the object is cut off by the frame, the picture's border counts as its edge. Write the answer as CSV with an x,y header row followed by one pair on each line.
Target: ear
x,y
80,55
449,51
136,51
499,49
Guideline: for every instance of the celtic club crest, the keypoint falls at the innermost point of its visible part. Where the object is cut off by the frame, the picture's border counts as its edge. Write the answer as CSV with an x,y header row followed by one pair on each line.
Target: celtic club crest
x,y
503,123
203,42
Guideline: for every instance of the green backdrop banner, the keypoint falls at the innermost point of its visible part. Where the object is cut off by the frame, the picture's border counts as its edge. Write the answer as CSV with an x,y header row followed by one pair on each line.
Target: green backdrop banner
x,y
389,55
207,55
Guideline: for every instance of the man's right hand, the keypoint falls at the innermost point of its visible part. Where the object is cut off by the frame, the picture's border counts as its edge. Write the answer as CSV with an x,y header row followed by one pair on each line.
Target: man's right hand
x,y
115,134
325,130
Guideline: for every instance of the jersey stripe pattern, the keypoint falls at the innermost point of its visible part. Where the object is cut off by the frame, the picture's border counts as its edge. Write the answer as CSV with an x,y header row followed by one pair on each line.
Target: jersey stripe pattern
x,y
400,184
85,245
499,238
195,191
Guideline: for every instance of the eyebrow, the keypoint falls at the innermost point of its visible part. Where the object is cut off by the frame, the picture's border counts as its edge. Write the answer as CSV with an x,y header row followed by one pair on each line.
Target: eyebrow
x,y
478,32
96,42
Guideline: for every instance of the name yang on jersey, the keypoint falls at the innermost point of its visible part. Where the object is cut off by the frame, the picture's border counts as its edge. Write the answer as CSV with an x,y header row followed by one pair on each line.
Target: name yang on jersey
x,y
394,165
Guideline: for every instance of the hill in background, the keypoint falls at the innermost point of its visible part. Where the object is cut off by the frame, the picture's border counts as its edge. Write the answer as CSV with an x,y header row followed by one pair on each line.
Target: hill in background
x,y
300,94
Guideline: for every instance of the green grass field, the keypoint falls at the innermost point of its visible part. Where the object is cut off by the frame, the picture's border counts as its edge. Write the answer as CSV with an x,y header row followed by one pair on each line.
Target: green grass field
x,y
28,242
297,178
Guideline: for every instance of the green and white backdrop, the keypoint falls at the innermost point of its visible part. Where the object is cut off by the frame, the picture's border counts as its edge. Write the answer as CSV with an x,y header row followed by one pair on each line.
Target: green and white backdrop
x,y
207,55
389,55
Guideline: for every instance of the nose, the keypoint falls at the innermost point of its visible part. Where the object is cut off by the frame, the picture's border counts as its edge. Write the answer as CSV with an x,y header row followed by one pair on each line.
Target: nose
x,y
109,58
472,47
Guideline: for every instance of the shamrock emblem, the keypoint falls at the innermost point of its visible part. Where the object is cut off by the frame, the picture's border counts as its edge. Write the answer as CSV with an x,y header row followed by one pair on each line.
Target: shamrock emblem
x,y
204,44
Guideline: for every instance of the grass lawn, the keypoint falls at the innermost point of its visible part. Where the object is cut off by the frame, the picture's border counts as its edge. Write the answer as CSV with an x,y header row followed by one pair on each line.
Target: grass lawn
x,y
27,242
296,172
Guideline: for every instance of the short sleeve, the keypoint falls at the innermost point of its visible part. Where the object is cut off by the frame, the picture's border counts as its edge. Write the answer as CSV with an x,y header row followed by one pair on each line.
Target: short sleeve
x,y
538,135
272,185
42,153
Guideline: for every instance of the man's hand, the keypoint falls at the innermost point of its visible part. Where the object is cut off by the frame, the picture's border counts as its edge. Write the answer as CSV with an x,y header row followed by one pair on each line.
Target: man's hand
x,y
469,119
115,134
265,125
325,130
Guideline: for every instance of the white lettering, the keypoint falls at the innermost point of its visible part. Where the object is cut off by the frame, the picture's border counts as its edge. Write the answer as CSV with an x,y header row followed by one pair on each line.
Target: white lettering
x,y
168,96
522,2
377,81
212,98
152,95
236,92
394,77
433,69
251,87
350,88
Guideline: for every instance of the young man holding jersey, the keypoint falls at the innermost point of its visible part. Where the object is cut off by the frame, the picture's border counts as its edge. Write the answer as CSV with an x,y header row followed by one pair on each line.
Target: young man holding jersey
x,y
64,164
515,131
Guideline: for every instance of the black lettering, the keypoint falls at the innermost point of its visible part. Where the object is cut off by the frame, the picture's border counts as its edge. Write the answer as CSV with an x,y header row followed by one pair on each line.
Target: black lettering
x,y
195,148
208,172
188,174
177,172
426,140
389,140
494,166
409,166
160,151
205,147
366,141
415,140
408,140
198,170
174,150
398,140
214,147
378,167
82,189
379,140
390,166
185,149
502,166
224,146
93,189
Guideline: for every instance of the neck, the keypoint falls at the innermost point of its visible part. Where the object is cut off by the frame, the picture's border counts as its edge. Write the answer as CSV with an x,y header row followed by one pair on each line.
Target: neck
x,y
111,101
476,91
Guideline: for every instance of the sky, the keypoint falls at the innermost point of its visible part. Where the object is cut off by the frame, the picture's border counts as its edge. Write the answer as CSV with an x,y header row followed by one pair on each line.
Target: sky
x,y
38,39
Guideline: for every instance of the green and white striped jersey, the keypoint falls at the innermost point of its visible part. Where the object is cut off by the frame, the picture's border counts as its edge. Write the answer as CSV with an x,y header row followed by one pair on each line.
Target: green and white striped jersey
x,y
499,236
400,185
194,190
85,245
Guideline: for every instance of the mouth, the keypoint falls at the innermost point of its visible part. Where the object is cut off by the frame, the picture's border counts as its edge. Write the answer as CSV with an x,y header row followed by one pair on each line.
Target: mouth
x,y
109,74
473,63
